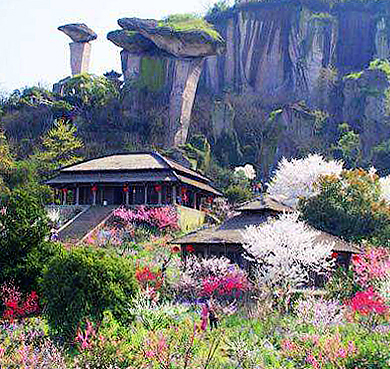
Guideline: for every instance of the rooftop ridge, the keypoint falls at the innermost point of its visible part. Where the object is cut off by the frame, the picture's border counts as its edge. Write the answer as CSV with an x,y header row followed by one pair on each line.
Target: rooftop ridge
x,y
167,162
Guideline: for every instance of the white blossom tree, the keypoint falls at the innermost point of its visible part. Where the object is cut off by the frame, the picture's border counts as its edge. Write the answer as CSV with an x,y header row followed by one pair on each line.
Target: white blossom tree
x,y
385,188
247,171
286,251
296,178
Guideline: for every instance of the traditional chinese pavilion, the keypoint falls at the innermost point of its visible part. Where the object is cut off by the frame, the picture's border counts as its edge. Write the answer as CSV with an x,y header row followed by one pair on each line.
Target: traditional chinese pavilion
x,y
227,240
141,178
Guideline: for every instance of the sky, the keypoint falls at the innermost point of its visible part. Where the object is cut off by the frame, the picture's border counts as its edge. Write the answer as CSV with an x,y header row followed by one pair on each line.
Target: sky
x,y
34,52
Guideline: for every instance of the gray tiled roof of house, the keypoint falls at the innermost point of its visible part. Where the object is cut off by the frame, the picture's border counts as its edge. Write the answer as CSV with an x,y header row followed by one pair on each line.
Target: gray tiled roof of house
x,y
132,168
118,177
264,202
230,231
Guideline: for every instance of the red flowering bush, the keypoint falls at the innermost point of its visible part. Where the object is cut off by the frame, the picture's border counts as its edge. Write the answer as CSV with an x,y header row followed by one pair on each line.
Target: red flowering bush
x,y
230,285
15,306
368,302
213,277
372,266
148,278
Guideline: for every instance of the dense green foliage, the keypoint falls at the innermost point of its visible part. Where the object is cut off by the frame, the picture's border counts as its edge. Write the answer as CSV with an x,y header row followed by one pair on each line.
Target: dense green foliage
x,y
23,249
82,283
381,157
189,22
237,193
348,147
6,164
349,207
58,149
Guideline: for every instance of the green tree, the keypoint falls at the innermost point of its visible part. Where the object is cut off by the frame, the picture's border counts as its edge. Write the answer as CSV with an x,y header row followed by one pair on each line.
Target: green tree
x,y
23,229
349,207
82,283
380,156
348,147
85,92
59,148
6,164
237,193
25,176
218,7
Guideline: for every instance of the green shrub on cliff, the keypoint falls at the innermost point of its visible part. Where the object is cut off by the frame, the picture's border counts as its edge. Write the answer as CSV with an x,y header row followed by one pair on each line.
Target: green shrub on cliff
x,y
188,23
380,64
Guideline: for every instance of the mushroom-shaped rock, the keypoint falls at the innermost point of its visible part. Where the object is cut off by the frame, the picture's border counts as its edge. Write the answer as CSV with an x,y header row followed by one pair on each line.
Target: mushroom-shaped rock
x,y
167,56
182,39
80,48
78,32
131,41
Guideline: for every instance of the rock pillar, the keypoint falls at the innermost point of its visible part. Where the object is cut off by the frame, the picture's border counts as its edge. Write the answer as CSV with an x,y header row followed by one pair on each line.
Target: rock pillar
x,y
80,48
177,58
185,82
80,53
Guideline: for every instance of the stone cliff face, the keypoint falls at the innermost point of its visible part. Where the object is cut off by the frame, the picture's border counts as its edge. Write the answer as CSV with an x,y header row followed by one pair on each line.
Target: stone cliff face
x,y
280,85
295,56
278,50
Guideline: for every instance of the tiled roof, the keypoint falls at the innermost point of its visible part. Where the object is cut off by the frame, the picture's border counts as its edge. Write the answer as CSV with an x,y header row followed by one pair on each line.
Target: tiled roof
x,y
198,184
264,202
230,232
131,168
117,177
136,161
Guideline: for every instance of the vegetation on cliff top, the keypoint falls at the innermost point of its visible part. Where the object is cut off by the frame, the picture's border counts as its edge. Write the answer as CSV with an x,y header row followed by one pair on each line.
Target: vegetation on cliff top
x,y
188,23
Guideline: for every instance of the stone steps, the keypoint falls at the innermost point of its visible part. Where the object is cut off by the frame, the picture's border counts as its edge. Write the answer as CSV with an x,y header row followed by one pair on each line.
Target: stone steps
x,y
85,223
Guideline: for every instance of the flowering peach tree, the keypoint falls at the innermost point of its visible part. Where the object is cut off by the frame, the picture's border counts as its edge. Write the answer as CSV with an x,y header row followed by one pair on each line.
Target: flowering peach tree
x,y
211,278
286,251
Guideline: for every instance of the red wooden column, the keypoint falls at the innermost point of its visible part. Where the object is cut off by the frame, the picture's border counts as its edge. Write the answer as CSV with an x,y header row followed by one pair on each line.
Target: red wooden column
x,y
94,191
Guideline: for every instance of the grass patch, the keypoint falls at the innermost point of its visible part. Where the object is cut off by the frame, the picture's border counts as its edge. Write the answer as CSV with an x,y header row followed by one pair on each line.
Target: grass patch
x,y
188,23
